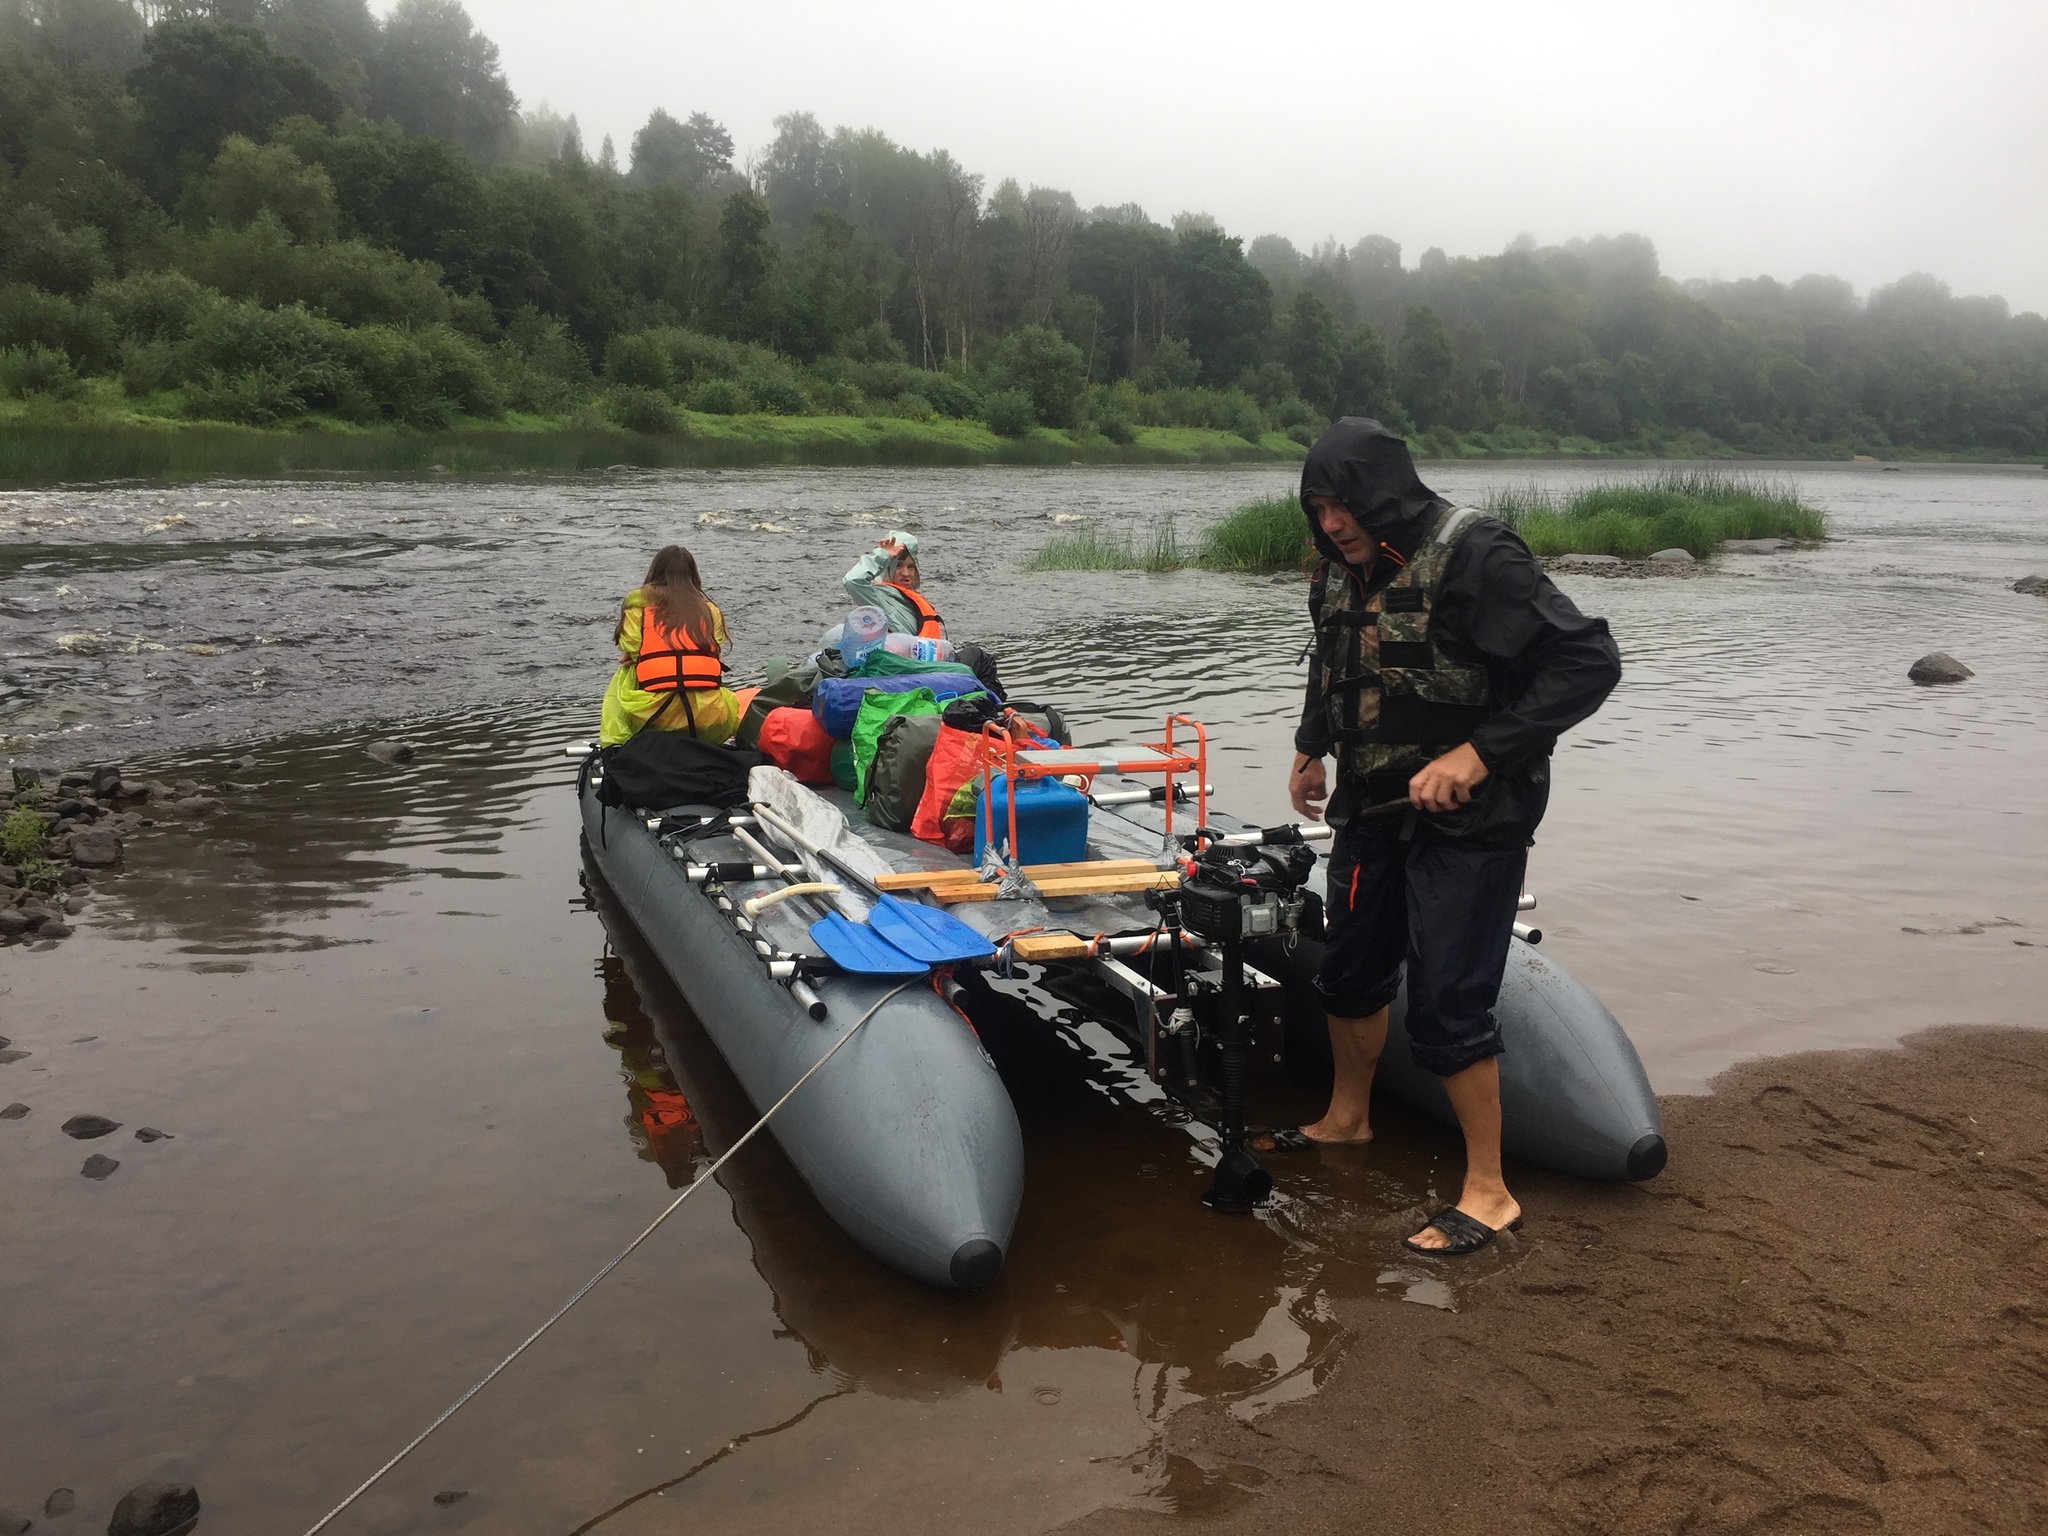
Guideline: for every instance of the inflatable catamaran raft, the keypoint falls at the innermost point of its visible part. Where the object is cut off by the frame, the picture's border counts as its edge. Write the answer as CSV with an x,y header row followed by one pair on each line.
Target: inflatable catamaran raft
x,y
1193,935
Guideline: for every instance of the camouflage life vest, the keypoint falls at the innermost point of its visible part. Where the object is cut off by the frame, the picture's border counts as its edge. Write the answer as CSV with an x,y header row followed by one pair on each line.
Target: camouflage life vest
x,y
1395,701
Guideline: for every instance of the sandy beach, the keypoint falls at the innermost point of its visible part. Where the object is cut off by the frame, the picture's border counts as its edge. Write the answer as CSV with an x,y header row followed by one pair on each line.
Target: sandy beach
x,y
1827,1316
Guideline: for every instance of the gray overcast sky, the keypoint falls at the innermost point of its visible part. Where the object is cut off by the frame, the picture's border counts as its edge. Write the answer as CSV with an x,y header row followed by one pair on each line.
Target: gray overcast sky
x,y
1866,140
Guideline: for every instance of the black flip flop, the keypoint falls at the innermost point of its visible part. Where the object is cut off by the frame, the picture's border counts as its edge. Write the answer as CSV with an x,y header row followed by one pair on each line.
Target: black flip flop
x,y
1466,1234
1291,1138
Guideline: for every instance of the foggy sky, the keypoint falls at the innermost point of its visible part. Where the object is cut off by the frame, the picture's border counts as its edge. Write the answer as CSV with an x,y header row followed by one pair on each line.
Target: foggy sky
x,y
1864,140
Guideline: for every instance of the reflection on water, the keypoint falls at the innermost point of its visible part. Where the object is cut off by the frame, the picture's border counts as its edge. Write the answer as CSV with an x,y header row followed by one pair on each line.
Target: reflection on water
x,y
417,1076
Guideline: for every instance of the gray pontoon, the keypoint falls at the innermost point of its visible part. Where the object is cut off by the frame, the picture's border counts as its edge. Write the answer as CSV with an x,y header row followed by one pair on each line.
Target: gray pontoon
x,y
908,1137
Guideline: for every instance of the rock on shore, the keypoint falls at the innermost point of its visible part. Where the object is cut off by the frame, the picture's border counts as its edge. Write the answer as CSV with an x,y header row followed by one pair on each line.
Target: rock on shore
x,y
87,815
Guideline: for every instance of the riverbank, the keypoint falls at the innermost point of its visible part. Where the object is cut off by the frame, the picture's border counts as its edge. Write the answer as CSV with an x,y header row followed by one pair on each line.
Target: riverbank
x,y
1825,1316
39,448
44,453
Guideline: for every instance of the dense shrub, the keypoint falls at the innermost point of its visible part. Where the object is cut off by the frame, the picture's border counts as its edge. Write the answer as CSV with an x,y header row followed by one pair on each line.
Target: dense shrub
x,y
720,397
912,407
28,316
639,409
949,396
148,366
695,357
1008,413
35,248
258,398
346,280
542,367
151,306
417,379
640,361
838,399
38,370
1042,364
775,391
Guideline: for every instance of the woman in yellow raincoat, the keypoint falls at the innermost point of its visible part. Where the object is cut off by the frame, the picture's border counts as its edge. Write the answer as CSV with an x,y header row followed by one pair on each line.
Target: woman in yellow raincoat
x,y
669,637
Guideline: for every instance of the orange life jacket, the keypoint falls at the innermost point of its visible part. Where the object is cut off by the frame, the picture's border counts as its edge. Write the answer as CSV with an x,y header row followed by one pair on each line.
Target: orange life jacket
x,y
670,660
928,625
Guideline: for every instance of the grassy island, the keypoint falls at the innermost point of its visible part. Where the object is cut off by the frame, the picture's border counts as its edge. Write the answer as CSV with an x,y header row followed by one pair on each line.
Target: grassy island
x,y
1690,509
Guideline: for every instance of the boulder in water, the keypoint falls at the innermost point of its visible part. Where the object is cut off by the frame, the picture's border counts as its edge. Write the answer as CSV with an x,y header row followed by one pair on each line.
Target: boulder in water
x,y
88,1127
95,848
391,751
2033,586
1674,556
99,1166
1938,667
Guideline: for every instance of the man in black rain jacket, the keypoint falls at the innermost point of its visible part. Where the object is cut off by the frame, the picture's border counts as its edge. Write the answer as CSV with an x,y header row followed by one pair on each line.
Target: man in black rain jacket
x,y
1447,664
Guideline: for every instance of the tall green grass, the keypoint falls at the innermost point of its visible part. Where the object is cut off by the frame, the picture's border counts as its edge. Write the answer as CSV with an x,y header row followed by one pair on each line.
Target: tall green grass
x,y
1092,549
1689,509
1270,534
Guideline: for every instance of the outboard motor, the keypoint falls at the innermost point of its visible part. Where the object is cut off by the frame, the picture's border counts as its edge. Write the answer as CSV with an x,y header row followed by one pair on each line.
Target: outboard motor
x,y
1229,896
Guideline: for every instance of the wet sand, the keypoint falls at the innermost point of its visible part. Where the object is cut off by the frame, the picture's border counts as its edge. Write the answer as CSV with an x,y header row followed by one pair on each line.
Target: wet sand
x,y
1827,1316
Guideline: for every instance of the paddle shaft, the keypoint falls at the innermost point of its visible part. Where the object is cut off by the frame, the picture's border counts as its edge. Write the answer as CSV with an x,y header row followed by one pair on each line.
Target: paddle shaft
x,y
804,845
753,845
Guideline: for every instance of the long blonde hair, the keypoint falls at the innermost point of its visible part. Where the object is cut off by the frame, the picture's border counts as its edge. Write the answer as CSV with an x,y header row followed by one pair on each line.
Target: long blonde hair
x,y
674,593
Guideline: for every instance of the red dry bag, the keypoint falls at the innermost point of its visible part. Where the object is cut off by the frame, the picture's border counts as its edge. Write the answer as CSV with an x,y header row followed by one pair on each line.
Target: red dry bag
x,y
955,759
793,739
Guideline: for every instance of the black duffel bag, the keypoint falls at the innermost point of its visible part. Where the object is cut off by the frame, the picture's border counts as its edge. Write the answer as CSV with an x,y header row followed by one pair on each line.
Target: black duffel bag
x,y
658,769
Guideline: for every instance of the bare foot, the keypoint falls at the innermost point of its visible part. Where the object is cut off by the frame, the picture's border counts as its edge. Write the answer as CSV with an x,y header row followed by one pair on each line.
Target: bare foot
x,y
1495,1211
1321,1134
1332,1131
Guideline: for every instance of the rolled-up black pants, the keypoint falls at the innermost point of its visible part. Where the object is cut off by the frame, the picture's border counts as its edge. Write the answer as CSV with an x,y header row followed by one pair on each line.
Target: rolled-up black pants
x,y
1444,912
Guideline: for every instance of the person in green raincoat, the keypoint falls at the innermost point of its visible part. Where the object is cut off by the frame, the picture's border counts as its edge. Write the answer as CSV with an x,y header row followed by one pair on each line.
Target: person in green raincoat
x,y
669,636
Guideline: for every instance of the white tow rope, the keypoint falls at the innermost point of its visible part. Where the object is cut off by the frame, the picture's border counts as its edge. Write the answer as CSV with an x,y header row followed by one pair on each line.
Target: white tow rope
x,y
618,1259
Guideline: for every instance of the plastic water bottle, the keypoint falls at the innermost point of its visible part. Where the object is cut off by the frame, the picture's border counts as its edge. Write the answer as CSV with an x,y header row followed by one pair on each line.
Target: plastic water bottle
x,y
831,638
910,648
865,628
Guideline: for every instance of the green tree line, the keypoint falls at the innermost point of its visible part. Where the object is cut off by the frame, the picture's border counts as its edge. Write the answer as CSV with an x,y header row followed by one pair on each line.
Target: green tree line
x,y
270,210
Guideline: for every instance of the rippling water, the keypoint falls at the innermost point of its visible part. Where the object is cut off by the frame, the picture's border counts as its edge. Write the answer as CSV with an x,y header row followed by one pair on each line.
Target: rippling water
x,y
419,1090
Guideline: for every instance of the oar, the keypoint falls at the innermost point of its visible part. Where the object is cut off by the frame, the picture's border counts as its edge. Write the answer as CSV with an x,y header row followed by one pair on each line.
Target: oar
x,y
849,946
935,937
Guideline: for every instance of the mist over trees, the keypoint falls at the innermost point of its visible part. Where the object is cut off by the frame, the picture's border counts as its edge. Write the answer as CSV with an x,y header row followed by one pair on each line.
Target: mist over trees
x,y
262,209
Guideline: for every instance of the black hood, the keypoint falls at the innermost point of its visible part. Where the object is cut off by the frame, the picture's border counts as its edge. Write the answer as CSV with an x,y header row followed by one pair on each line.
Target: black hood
x,y
1366,467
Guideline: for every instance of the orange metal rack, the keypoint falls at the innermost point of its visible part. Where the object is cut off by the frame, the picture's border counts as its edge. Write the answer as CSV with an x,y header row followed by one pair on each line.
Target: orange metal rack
x,y
999,747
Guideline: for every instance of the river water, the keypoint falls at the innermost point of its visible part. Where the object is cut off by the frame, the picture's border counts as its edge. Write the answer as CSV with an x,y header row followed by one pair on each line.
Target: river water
x,y
418,1090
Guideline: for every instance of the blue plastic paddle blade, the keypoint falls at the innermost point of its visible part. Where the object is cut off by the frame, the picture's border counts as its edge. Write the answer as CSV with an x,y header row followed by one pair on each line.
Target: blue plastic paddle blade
x,y
861,950
935,937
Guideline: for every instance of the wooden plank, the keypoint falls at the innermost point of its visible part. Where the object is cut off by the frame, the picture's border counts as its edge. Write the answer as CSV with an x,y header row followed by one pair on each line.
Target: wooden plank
x,y
1073,885
933,879
1049,946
